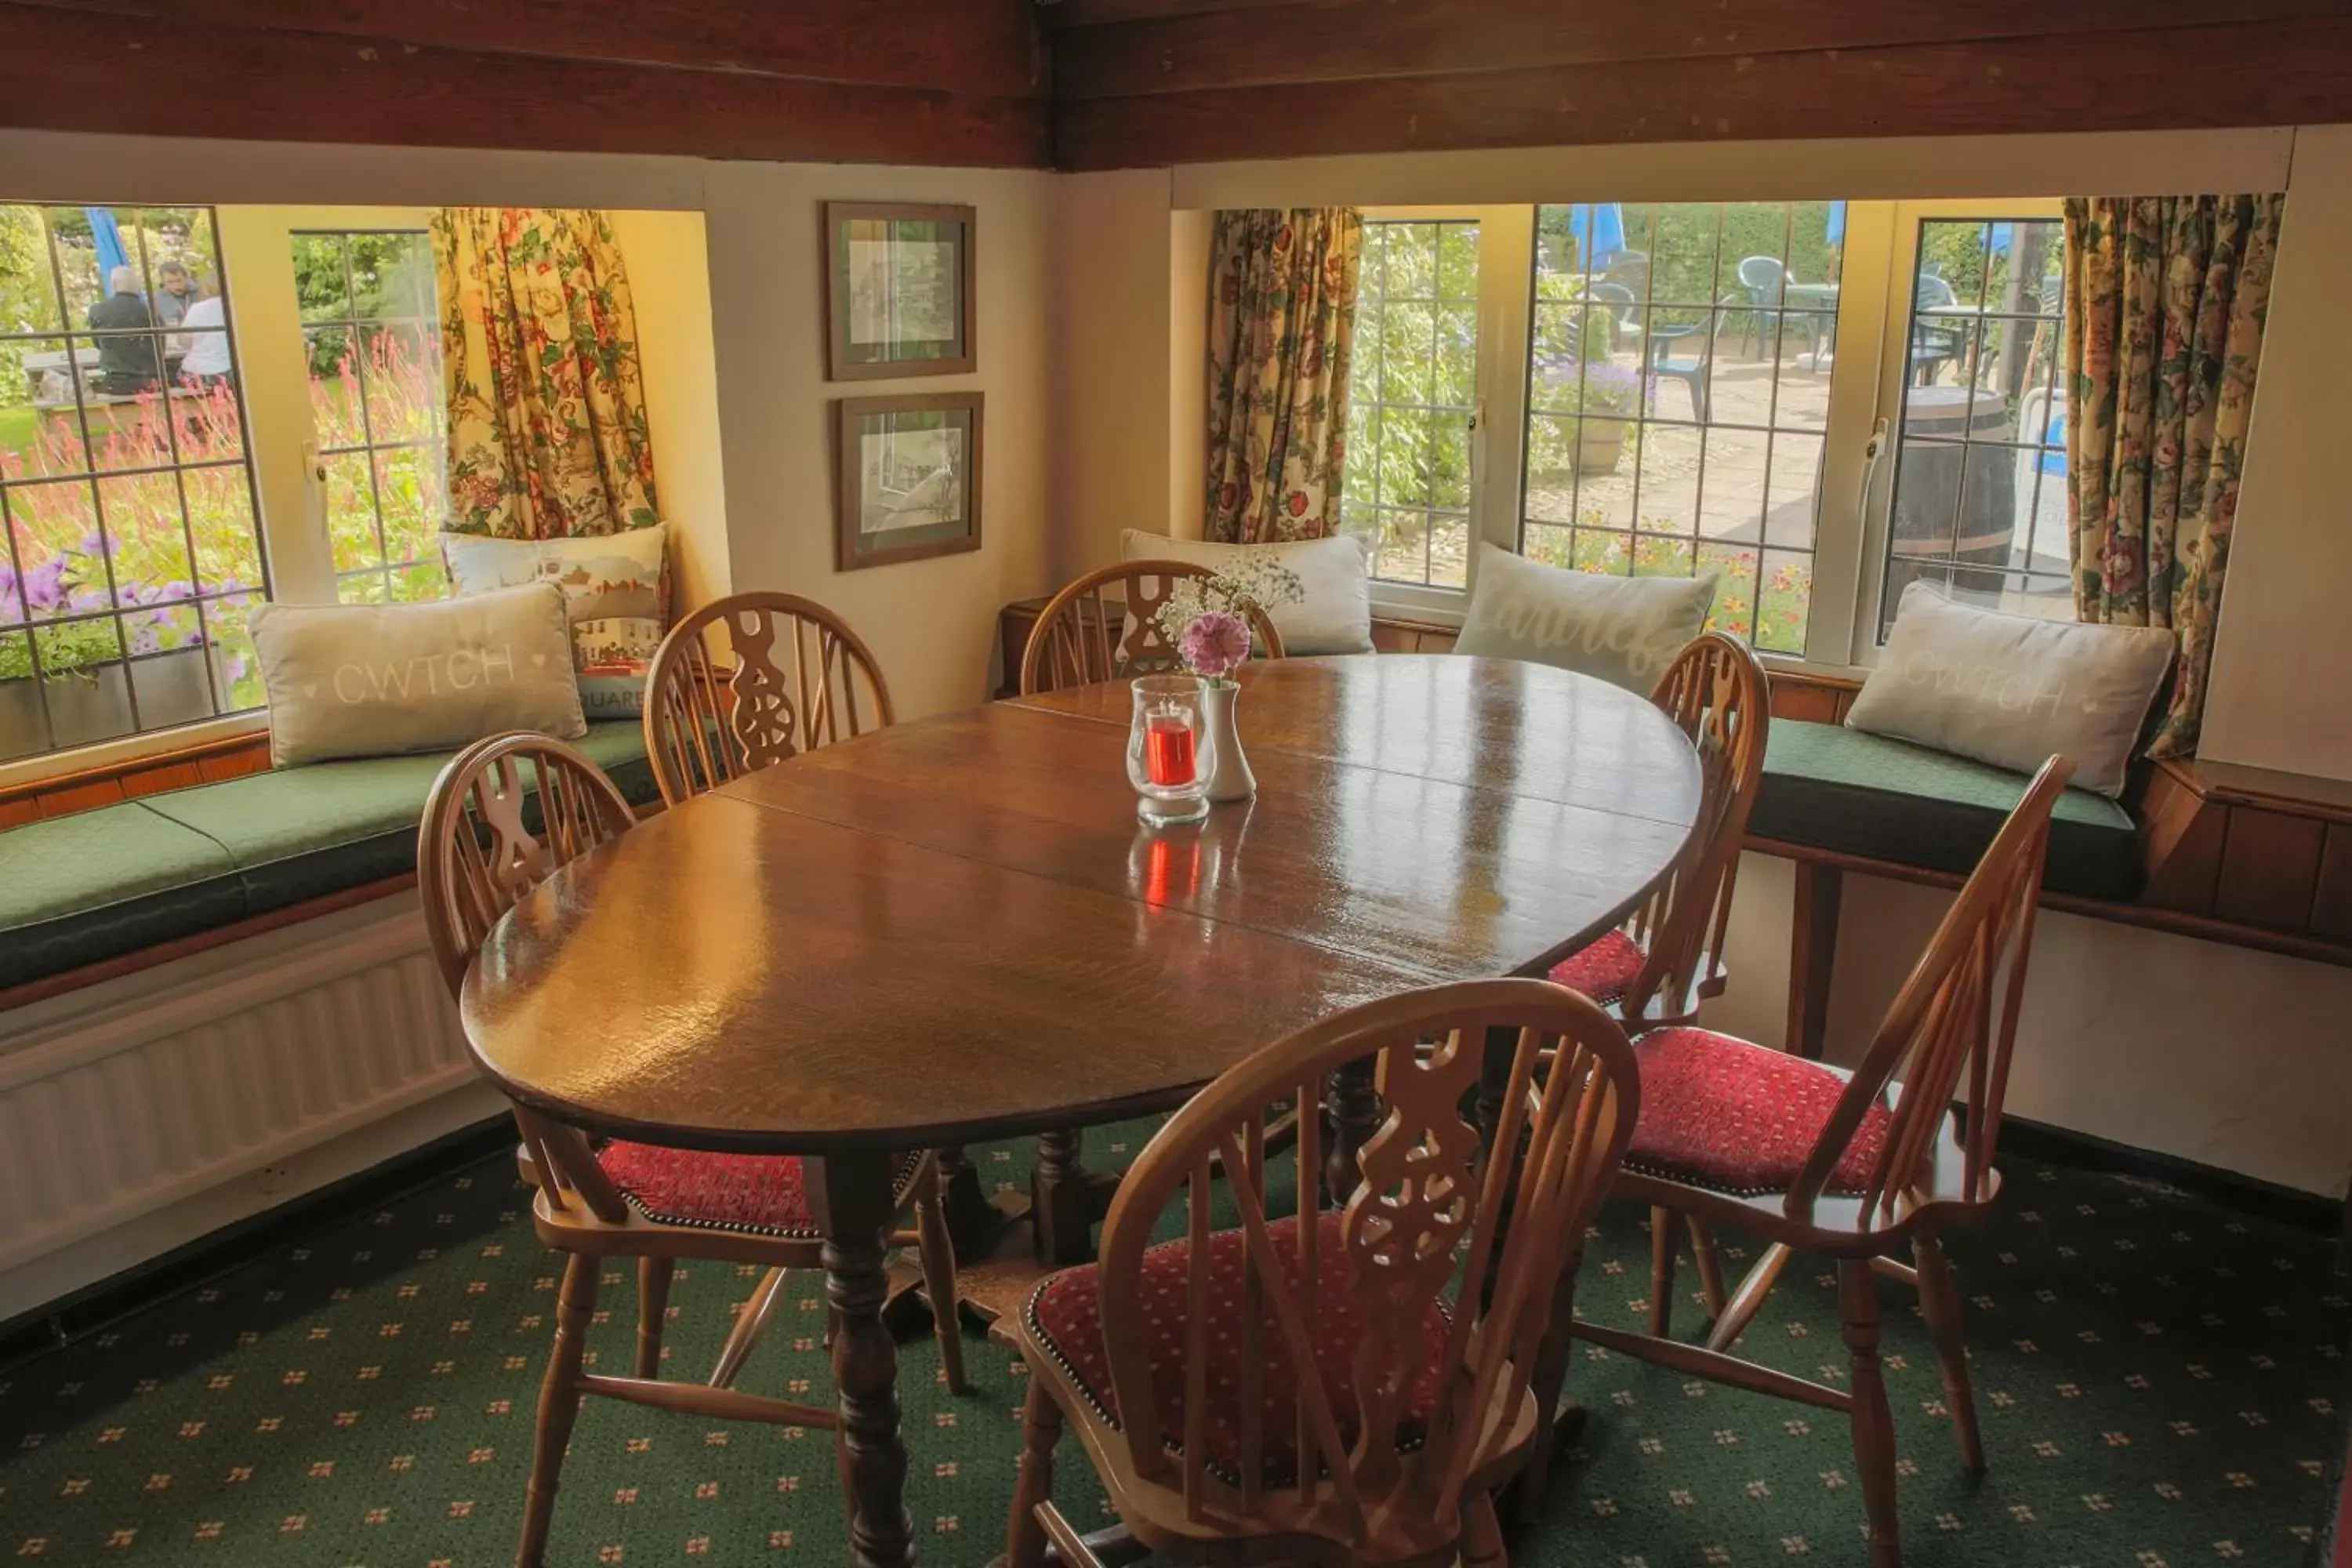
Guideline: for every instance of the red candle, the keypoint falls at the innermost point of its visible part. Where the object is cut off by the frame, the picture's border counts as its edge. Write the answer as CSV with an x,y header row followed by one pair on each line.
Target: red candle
x,y
1168,750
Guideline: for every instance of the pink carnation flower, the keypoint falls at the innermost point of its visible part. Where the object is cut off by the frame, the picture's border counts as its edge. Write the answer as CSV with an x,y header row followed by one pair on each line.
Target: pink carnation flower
x,y
1215,645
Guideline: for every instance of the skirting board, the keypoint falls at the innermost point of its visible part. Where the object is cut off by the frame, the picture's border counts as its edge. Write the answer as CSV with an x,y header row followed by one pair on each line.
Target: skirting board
x,y
142,1113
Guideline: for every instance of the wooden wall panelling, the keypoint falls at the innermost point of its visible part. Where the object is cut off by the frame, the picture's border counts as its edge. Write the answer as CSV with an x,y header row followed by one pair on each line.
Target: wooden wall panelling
x,y
1126,49
85,69
61,794
985,47
2331,905
2285,72
2181,836
2270,868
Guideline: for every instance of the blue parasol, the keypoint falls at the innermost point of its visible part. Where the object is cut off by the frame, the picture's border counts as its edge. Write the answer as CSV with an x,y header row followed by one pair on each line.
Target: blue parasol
x,y
1599,229
108,235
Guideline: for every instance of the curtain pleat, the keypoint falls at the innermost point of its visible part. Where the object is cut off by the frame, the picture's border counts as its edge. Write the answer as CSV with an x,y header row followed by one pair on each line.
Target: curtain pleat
x,y
1281,309
548,434
2166,298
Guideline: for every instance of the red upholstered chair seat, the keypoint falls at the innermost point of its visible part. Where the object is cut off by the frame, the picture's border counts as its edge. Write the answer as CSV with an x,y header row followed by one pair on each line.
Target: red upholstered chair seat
x,y
1720,1113
761,1192
1065,1316
1603,969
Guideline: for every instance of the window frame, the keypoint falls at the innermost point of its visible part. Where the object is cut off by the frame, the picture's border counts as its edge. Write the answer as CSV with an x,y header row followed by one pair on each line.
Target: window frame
x,y
1877,276
370,447
208,604
255,263
1901,220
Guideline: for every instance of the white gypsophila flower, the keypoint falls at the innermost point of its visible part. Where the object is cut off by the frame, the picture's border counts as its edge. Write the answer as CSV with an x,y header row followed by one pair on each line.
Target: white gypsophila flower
x,y
1254,580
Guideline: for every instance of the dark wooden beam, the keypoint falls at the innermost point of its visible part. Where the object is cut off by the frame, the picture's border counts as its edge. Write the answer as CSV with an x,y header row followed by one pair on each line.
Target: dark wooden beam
x,y
2185,78
987,48
74,69
1235,45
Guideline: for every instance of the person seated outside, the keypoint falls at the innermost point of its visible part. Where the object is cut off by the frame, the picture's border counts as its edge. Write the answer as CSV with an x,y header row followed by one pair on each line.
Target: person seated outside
x,y
127,364
205,360
177,293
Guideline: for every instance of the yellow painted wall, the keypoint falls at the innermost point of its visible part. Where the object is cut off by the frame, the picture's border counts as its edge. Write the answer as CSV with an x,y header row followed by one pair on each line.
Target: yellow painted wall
x,y
669,281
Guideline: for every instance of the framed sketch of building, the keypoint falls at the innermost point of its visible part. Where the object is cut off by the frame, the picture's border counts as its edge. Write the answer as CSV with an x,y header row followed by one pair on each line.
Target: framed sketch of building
x,y
907,476
899,288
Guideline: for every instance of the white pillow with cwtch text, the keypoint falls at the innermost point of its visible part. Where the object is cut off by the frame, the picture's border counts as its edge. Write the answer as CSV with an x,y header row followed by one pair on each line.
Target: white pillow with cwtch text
x,y
374,680
2014,689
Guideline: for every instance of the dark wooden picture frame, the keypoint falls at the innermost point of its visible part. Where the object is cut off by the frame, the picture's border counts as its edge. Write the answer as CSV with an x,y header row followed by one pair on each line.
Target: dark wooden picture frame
x,y
858,545
848,358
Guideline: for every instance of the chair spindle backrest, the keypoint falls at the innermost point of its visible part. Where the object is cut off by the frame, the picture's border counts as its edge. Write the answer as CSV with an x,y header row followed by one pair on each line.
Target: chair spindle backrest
x,y
1103,627
479,852
1420,1227
752,680
1955,1018
1716,691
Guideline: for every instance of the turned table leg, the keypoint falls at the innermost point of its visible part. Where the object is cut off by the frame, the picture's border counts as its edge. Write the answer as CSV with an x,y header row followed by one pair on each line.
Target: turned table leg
x,y
1061,1201
972,1220
851,1196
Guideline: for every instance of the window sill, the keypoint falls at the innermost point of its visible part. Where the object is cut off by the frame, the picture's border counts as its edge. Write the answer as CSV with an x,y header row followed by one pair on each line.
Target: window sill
x,y
59,770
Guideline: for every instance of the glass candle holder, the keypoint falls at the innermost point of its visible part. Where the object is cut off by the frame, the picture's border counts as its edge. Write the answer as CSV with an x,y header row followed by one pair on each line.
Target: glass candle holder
x,y
1168,750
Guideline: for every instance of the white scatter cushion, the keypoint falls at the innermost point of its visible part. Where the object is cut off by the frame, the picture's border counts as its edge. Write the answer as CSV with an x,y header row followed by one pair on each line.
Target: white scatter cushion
x,y
1335,616
2012,689
615,586
372,680
1622,630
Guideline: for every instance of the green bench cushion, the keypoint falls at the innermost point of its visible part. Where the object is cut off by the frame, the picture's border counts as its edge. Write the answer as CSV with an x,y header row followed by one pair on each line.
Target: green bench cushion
x,y
82,889
1835,788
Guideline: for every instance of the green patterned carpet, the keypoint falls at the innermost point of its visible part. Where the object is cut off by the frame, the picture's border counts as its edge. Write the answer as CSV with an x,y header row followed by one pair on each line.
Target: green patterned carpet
x,y
2158,1382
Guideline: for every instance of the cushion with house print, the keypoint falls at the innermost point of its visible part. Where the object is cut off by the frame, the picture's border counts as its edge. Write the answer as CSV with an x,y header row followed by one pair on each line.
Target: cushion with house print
x,y
372,680
616,589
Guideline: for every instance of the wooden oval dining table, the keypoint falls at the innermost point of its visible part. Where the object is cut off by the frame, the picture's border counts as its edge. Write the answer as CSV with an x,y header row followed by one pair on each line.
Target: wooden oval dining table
x,y
956,929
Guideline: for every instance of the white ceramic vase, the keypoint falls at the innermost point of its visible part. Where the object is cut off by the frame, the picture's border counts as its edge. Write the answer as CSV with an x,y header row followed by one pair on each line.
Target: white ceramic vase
x,y
1230,778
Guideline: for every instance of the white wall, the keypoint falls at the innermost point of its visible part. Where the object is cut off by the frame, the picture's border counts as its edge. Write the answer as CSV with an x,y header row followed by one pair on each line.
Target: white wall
x,y
2221,1054
1112,351
2291,560
933,624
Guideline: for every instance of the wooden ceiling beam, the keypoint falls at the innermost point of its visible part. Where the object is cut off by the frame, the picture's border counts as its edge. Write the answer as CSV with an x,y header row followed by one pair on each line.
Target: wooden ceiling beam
x,y
984,47
74,69
1121,49
2190,77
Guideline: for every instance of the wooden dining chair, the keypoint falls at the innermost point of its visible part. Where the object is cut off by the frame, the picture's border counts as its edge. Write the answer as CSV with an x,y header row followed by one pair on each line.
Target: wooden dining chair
x,y
505,815
1655,968
1330,1385
1101,627
752,680
1850,1163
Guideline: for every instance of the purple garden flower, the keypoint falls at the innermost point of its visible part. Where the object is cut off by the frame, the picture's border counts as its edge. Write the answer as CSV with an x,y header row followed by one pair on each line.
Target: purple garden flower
x,y
1215,645
44,584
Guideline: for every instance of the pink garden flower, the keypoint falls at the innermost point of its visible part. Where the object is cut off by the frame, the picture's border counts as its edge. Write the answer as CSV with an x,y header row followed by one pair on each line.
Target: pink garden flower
x,y
1215,645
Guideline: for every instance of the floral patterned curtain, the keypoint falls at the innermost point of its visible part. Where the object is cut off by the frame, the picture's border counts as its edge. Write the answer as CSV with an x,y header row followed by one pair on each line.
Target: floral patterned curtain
x,y
2166,302
548,437
1282,315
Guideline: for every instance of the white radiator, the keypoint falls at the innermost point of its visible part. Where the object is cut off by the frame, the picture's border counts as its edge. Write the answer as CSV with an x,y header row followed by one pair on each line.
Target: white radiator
x,y
138,1114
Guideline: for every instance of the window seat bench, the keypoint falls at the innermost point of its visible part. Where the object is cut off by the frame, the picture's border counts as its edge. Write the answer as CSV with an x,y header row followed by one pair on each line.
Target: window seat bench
x,y
101,885
1830,788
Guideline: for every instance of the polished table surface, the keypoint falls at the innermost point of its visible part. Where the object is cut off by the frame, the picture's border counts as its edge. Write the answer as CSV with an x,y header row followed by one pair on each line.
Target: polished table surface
x,y
956,928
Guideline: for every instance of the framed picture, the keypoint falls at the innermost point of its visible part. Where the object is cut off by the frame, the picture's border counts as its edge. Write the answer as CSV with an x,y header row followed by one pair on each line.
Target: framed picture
x,y
899,290
909,477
